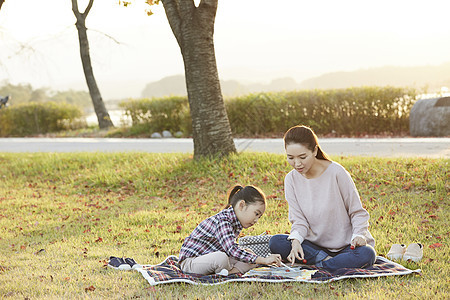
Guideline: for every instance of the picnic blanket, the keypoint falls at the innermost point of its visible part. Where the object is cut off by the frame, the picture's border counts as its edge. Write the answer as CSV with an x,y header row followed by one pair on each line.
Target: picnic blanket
x,y
169,272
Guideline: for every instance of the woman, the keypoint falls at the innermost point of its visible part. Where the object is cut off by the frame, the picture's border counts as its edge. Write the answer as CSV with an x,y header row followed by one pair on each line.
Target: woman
x,y
329,224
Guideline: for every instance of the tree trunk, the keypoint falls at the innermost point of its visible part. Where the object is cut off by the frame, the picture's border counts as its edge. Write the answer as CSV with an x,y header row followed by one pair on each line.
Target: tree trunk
x,y
193,28
104,121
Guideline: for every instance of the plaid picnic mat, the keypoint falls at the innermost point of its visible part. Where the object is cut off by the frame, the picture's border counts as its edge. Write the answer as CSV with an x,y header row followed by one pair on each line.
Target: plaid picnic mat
x,y
169,272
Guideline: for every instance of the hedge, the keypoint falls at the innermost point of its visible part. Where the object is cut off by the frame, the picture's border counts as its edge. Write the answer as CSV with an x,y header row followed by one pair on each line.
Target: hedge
x,y
39,118
352,111
156,115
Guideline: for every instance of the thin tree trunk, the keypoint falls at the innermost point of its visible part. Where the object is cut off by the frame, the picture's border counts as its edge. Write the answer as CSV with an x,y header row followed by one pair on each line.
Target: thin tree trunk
x,y
193,28
104,120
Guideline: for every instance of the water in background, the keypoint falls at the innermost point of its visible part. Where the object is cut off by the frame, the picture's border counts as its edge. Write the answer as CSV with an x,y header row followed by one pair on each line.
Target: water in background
x,y
117,117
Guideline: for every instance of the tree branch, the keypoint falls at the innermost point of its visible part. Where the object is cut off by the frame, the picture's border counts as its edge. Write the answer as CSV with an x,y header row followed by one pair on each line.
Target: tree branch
x,y
107,35
186,6
211,3
75,7
88,8
75,10
209,8
173,16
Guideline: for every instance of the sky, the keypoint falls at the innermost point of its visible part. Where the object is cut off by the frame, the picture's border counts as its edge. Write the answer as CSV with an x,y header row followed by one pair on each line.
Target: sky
x,y
255,41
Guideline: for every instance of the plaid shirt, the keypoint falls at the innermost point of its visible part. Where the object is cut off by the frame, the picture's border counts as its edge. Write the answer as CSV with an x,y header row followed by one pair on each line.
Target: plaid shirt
x,y
217,233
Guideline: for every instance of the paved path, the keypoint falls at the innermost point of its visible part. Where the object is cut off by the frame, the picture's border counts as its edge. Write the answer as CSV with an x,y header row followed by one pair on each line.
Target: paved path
x,y
386,147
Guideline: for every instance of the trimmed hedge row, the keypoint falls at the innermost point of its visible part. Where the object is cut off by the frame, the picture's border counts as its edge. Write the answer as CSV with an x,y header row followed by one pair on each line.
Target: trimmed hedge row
x,y
156,115
368,110
352,111
38,118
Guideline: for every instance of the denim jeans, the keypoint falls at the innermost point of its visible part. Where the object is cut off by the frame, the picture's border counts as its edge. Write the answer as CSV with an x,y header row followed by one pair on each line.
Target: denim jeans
x,y
360,257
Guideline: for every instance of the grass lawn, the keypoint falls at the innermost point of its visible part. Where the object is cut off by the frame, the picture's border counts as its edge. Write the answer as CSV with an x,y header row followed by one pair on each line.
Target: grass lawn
x,y
63,215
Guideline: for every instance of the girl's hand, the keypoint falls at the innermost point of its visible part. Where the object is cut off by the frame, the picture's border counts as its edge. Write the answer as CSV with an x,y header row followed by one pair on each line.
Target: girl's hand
x,y
296,252
358,241
273,259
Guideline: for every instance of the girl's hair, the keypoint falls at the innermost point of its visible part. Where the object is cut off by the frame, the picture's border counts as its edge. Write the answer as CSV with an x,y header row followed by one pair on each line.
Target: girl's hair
x,y
250,194
305,136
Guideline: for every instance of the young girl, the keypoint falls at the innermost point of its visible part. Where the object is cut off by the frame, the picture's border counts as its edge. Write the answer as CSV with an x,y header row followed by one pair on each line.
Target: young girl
x,y
329,225
212,248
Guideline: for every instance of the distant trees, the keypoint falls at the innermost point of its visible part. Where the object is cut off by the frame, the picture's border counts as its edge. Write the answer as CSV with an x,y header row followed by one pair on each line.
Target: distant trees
x,y
104,120
24,93
78,98
19,93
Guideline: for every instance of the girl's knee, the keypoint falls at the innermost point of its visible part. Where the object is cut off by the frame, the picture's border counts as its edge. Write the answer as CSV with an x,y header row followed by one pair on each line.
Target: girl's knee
x,y
222,261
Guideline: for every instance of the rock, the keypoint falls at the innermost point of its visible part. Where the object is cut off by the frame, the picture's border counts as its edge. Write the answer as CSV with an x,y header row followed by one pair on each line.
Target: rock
x,y
178,134
430,117
156,135
166,134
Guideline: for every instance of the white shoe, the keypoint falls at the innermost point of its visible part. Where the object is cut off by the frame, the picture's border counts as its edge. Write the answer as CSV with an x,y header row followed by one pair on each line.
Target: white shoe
x,y
224,272
396,252
118,263
414,252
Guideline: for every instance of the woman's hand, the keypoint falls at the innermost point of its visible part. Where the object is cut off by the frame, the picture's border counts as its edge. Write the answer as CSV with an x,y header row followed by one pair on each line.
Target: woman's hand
x,y
296,252
358,241
273,259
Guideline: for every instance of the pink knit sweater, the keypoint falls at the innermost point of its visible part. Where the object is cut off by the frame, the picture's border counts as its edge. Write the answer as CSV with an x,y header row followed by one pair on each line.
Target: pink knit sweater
x,y
326,210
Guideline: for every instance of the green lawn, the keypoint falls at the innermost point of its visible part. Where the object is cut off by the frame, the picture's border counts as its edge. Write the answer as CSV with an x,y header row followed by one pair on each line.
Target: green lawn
x,y
63,215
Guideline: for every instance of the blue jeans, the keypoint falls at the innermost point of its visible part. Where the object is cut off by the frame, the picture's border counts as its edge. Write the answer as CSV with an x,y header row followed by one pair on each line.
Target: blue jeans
x,y
360,257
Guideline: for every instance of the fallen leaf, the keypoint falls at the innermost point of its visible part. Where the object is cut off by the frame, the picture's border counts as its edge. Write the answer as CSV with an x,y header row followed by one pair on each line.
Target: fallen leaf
x,y
436,245
90,288
428,260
